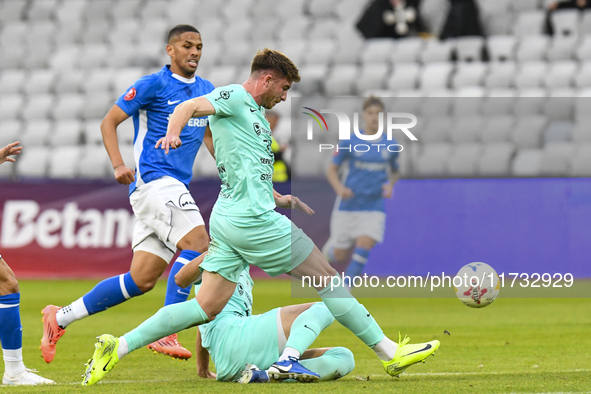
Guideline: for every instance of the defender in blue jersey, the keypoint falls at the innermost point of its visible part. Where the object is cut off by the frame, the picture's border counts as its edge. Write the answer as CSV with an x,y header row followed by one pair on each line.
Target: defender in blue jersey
x,y
358,218
11,331
167,217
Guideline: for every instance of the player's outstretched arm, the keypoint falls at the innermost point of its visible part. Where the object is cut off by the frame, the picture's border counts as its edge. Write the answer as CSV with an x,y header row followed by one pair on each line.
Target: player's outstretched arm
x,y
190,273
202,357
10,150
387,188
332,175
114,118
193,108
291,202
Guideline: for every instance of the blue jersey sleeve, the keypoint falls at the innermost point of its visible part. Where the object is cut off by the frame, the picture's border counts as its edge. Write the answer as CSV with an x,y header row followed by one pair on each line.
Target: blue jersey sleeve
x,y
341,156
394,161
139,95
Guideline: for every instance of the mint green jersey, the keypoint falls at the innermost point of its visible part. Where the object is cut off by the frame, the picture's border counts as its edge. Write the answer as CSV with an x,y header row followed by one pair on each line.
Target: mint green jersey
x,y
240,303
244,158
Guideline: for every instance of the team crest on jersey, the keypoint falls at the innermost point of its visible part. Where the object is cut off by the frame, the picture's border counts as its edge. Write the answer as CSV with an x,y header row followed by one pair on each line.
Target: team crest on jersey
x,y
130,95
240,289
224,94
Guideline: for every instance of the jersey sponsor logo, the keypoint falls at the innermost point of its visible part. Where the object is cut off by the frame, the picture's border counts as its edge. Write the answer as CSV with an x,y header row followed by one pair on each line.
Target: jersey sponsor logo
x,y
130,95
24,222
224,94
173,102
370,166
186,201
240,289
258,129
253,110
197,122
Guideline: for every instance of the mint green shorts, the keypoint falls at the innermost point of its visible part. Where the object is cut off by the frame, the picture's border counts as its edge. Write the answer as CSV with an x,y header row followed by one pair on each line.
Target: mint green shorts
x,y
269,241
233,341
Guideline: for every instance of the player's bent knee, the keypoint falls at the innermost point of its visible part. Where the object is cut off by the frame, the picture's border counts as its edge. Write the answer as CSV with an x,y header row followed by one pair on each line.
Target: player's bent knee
x,y
10,285
346,359
146,286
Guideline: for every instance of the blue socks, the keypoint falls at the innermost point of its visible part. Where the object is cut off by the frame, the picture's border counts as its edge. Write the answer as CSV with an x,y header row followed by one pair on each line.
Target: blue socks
x,y
357,264
11,335
110,292
175,293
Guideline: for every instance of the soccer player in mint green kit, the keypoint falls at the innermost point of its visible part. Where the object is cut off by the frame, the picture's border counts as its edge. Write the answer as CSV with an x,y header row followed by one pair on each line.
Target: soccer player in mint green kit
x,y
245,229
237,337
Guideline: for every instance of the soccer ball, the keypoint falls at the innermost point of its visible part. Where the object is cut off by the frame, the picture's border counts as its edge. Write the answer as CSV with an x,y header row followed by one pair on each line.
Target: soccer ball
x,y
477,285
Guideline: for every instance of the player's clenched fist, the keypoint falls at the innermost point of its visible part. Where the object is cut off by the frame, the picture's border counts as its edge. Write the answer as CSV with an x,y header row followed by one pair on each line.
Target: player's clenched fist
x,y
169,142
124,174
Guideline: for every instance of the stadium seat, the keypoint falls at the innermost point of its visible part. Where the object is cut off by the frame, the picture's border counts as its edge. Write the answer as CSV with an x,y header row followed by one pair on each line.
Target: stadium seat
x,y
292,8
294,29
325,28
407,50
581,133
13,33
64,162
10,131
560,104
469,74
65,58
129,9
294,49
67,106
531,74
99,80
97,105
222,75
319,52
561,48
561,74
124,78
466,129
582,79
468,101
37,106
530,101
495,159
433,160
585,23
35,132
69,81
94,56
33,162
497,129
11,81
565,22
469,49
348,11
435,76
437,103
434,13
524,5
39,81
155,9
41,10
372,76
12,10
582,105
12,56
583,52
556,158
99,9
501,75
501,48
378,50
528,131
463,161
99,30
65,133
494,25
404,76
532,48
558,132
94,163
68,32
437,130
529,23
11,106
340,80
581,162
527,163
322,9
313,76
436,51
265,30
91,132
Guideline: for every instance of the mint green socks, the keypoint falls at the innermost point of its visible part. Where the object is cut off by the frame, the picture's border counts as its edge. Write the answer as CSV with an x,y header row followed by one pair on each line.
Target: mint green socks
x,y
332,365
168,320
307,326
351,314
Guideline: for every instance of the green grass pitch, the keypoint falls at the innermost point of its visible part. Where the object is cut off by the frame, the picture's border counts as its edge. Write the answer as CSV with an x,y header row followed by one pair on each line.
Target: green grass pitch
x,y
511,346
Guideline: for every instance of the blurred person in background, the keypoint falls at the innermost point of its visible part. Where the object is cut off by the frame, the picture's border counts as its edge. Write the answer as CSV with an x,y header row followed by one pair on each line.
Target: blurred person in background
x,y
281,170
167,217
358,219
392,18
564,4
463,19
11,331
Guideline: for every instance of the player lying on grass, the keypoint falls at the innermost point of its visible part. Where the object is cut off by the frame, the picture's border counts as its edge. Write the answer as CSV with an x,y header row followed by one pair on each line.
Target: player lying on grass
x,y
11,331
245,228
236,337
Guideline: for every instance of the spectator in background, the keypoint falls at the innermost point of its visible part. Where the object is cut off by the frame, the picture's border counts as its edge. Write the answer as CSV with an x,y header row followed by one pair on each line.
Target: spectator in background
x,y
11,331
462,20
281,171
579,4
392,18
